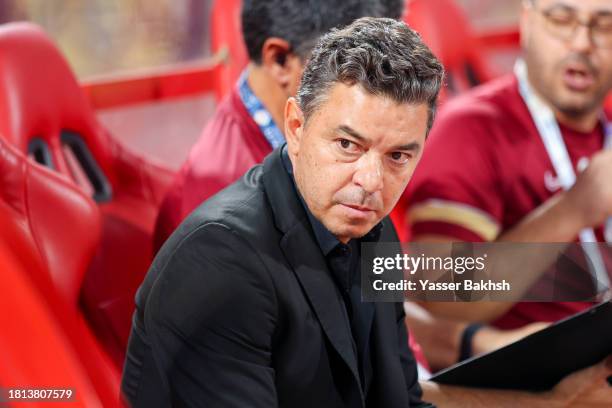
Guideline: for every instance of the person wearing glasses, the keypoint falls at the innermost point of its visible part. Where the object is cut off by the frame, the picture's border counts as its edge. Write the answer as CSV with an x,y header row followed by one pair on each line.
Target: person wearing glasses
x,y
525,158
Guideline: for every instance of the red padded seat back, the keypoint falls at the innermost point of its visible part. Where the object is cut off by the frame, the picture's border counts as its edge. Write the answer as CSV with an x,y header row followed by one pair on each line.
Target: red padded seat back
x,y
52,229
446,30
35,349
44,112
56,221
41,99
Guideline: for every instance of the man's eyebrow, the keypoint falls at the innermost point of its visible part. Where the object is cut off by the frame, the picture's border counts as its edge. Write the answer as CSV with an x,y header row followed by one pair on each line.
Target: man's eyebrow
x,y
352,132
596,13
413,146
560,5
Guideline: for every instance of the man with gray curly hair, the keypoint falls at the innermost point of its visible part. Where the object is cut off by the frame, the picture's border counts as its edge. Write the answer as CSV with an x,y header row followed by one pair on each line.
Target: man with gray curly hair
x,y
248,124
255,300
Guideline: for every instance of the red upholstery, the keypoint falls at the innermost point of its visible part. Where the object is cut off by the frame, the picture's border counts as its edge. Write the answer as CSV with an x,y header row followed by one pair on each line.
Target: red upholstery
x,y
226,37
50,230
41,99
72,221
445,29
34,347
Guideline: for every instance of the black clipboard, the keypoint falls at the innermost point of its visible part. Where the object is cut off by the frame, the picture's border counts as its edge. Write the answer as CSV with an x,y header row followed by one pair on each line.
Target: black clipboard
x,y
540,360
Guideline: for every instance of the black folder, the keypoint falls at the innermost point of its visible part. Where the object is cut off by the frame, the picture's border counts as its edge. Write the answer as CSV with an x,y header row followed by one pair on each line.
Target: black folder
x,y
538,361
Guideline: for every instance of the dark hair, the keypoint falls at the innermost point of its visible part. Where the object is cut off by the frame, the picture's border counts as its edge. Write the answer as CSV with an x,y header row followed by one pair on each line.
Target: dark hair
x,y
389,8
302,22
382,55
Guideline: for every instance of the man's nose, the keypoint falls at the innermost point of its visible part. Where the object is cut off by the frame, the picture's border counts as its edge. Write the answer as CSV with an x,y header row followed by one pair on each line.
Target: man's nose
x,y
582,40
369,173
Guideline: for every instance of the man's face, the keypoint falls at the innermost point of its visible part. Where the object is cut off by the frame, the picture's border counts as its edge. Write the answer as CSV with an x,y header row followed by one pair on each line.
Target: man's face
x,y
354,157
571,70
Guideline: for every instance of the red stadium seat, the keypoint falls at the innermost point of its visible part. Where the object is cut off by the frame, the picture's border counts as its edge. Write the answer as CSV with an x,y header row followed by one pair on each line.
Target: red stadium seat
x,y
35,348
226,37
44,113
50,231
446,30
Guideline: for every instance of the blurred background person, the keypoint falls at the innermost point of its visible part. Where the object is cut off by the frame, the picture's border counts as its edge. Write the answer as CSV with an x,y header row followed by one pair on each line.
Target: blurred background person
x,y
488,175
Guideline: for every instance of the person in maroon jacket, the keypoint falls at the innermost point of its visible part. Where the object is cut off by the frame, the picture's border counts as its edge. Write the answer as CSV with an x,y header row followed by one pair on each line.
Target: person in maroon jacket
x,y
248,123
525,158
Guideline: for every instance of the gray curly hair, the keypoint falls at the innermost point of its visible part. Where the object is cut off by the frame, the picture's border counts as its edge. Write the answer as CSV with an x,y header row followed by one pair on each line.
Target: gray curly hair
x,y
382,55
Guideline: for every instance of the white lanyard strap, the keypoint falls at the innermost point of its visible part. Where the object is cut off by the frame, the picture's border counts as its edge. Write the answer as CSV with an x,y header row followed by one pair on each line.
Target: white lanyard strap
x,y
549,131
608,145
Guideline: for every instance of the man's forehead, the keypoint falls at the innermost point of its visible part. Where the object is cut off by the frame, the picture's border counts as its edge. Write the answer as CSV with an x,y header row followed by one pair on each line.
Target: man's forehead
x,y
354,97
373,119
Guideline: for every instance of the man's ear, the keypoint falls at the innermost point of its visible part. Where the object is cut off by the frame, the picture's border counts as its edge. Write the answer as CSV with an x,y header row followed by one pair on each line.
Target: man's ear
x,y
280,63
294,126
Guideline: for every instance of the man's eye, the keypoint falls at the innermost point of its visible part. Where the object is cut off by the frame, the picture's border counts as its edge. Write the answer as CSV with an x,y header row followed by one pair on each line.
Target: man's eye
x,y
561,18
400,157
348,146
604,24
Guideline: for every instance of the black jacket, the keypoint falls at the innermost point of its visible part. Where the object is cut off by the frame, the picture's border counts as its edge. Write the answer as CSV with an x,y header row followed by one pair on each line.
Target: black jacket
x,y
239,310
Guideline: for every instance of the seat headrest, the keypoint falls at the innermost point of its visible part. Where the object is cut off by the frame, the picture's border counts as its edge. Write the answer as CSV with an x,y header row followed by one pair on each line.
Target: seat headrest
x,y
40,96
47,220
444,26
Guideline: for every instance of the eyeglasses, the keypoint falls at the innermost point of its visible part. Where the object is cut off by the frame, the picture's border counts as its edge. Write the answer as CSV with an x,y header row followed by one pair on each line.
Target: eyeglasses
x,y
563,23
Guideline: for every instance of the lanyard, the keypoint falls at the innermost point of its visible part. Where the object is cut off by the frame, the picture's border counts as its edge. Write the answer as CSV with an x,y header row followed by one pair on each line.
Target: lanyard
x,y
549,131
259,113
608,145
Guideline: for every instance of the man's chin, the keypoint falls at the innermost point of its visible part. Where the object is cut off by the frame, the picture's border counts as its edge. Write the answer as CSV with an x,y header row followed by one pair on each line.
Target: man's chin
x,y
352,232
574,104
577,111
343,222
